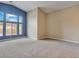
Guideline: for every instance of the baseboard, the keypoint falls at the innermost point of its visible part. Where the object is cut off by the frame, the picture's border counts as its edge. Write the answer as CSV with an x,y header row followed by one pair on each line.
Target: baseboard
x,y
69,41
65,40
48,37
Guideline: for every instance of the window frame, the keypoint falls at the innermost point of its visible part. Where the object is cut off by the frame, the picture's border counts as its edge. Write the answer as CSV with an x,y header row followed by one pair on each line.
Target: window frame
x,y
6,8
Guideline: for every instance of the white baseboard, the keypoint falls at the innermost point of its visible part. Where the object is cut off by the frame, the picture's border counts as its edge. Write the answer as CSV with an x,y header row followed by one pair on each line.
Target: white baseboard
x,y
63,40
70,41
66,40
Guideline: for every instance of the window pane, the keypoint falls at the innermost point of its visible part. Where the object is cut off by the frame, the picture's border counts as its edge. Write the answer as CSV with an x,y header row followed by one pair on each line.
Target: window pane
x,y
20,29
14,29
8,28
11,18
1,16
20,19
11,29
1,29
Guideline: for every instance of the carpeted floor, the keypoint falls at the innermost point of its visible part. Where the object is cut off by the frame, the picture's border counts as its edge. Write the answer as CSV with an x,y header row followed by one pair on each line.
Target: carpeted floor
x,y
26,48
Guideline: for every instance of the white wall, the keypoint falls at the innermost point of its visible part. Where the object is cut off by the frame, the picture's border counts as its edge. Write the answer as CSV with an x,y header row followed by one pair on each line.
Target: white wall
x,y
64,24
32,24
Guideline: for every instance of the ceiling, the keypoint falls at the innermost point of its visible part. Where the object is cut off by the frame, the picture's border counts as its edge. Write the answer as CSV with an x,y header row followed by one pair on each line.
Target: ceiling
x,y
47,6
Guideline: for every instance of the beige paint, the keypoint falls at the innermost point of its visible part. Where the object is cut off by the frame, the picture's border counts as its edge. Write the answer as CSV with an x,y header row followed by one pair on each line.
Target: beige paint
x,y
54,29
32,24
41,24
64,24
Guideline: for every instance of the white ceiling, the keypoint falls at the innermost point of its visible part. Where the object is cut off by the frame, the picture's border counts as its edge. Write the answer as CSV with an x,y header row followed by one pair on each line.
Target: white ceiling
x,y
47,6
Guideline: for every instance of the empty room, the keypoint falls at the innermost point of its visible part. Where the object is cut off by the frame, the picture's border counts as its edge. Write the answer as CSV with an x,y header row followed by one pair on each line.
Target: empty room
x,y
39,29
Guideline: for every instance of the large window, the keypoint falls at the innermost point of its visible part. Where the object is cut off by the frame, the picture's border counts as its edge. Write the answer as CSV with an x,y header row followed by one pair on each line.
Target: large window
x,y
12,21
13,24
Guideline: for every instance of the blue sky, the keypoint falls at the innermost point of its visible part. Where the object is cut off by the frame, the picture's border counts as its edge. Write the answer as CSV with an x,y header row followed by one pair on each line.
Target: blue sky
x,y
10,17
1,16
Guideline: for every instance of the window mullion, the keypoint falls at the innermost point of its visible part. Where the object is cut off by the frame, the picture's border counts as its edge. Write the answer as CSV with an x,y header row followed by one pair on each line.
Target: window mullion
x,y
4,25
18,26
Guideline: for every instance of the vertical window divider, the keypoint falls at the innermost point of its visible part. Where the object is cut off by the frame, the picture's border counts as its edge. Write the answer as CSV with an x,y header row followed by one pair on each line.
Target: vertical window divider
x,y
18,26
4,25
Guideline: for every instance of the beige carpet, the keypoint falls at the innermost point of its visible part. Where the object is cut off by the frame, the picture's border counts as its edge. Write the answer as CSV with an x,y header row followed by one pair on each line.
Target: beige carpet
x,y
23,48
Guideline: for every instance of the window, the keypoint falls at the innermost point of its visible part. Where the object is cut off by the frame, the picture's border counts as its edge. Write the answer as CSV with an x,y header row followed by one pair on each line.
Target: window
x,y
1,23
11,29
20,29
11,18
20,25
20,19
14,29
11,24
12,21
1,28
1,16
8,28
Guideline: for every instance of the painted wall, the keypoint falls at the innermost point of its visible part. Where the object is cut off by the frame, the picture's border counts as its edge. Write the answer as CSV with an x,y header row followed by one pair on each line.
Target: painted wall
x,y
36,24
64,24
32,24
41,24
54,26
